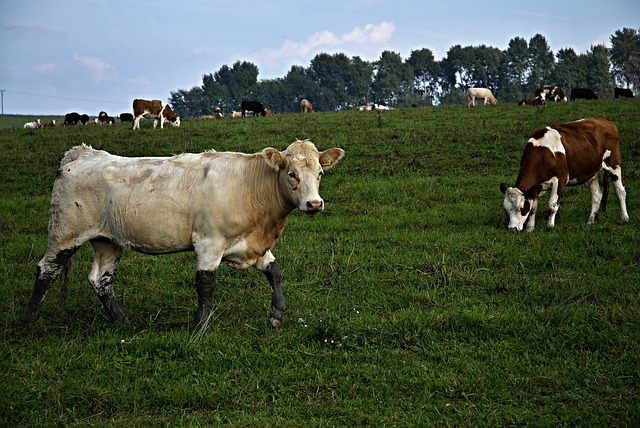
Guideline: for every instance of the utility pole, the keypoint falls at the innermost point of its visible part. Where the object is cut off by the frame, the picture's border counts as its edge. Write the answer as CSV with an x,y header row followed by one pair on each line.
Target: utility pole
x,y
2,99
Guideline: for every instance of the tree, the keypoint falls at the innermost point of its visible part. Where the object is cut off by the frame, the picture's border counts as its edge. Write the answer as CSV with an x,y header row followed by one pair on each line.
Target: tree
x,y
540,64
625,57
569,71
359,81
240,82
386,86
513,70
599,78
426,70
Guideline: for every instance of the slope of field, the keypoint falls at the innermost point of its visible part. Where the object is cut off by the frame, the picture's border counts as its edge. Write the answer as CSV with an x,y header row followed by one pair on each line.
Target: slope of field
x,y
408,302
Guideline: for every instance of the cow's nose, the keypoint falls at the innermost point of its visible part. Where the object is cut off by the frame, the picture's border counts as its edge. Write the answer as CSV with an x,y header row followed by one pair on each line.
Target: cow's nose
x,y
513,229
315,205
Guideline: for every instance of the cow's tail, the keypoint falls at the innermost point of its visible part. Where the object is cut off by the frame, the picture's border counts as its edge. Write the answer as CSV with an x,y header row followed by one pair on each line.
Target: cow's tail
x,y
67,274
605,191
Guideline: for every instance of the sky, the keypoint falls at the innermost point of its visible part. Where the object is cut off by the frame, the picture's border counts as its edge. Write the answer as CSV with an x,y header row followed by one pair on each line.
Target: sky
x,y
59,56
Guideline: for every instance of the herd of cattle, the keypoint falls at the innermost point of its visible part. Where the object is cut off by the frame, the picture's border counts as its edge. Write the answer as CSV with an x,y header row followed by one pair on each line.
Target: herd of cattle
x,y
232,207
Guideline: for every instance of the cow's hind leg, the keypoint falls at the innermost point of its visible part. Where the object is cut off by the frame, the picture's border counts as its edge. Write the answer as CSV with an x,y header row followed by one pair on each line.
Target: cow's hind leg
x,y
596,198
270,267
103,272
49,268
621,193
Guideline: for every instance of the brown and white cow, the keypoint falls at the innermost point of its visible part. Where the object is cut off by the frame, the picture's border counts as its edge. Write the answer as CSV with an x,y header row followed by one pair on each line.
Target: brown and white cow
x,y
225,206
562,155
153,109
480,93
306,106
537,101
551,93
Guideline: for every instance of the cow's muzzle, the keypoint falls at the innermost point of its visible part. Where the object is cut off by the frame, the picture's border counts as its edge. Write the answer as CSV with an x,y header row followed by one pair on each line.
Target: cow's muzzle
x,y
314,206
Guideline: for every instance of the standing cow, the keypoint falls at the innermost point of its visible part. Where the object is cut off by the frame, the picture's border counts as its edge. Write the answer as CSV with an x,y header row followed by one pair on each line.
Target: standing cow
x,y
623,92
480,93
253,106
584,93
225,206
306,106
562,155
153,109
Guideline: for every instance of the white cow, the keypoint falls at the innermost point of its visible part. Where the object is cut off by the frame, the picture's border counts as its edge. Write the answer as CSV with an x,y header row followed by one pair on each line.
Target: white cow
x,y
480,93
33,125
225,206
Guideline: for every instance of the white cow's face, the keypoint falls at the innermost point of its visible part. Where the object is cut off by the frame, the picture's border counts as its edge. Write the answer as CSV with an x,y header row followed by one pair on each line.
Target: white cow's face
x,y
518,208
302,167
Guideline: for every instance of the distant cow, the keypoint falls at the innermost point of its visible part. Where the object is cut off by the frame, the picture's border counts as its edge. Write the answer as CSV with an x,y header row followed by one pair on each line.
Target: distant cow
x,y
33,125
153,109
126,117
225,206
537,101
551,93
50,124
623,92
84,119
480,93
253,106
306,106
562,155
71,119
584,93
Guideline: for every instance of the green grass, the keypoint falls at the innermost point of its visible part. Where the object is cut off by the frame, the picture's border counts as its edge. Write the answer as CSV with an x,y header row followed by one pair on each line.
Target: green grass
x,y
408,302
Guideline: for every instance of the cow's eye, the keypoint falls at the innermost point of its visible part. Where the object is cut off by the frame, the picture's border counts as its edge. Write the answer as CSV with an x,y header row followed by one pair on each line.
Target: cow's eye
x,y
321,173
292,175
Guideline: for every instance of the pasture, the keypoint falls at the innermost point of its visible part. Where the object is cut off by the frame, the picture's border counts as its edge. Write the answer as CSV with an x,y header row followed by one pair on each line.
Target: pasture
x,y
408,302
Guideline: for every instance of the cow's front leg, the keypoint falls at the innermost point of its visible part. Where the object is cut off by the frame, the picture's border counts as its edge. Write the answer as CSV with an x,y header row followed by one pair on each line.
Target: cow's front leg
x,y
103,273
271,269
205,284
554,198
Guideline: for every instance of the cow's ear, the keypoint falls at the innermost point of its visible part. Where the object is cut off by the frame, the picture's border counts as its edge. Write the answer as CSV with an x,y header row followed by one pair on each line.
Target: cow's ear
x,y
274,158
503,187
330,157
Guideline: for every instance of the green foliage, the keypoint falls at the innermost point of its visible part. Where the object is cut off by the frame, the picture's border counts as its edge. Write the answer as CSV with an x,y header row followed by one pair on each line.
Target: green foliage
x,y
408,302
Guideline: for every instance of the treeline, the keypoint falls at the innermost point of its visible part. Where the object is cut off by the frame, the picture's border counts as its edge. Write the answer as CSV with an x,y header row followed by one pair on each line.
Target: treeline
x,y
337,82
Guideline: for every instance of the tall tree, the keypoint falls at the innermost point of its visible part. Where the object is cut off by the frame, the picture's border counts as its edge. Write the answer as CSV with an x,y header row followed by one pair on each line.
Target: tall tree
x,y
513,70
540,63
389,73
599,78
331,73
426,70
359,81
240,81
625,57
569,71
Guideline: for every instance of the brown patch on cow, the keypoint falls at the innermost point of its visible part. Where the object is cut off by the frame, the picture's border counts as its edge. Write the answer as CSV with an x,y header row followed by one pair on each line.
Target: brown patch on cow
x,y
525,208
538,133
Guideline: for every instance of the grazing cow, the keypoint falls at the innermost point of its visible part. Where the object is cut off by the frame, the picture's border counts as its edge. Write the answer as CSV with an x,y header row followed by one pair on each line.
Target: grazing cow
x,y
268,112
33,125
155,109
479,93
225,206
584,93
562,155
71,119
126,117
253,106
84,119
104,118
623,92
551,93
306,106
537,101
49,124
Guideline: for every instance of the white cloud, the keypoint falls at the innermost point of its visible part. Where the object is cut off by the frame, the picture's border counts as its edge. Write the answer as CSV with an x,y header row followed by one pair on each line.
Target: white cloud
x,y
100,69
46,68
370,34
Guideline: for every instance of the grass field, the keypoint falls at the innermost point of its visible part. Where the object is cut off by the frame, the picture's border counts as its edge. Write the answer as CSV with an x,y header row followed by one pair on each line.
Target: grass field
x,y
408,302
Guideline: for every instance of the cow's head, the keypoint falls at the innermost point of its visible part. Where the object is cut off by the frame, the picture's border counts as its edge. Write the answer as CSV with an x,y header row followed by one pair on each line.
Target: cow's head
x,y
176,122
517,205
302,166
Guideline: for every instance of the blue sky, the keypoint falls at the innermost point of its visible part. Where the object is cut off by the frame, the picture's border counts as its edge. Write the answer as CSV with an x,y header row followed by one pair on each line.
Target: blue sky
x,y
91,55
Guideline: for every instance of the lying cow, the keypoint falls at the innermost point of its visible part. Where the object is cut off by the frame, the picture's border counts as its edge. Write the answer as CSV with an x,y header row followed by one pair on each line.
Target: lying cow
x,y
153,109
225,206
537,101
562,155
33,125
480,93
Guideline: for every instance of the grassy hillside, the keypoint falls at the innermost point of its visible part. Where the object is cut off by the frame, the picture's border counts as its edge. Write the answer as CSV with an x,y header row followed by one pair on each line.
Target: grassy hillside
x,y
408,302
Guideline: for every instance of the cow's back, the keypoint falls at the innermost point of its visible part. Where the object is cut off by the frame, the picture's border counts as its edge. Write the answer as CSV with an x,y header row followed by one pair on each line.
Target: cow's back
x,y
594,134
